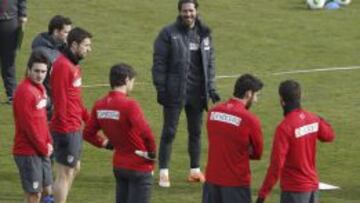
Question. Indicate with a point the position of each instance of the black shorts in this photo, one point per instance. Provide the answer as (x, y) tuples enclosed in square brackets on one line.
[(133, 186), (35, 172), (67, 148), (300, 197), (224, 194)]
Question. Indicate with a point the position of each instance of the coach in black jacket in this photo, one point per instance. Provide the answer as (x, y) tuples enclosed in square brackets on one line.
[(183, 73), (12, 16)]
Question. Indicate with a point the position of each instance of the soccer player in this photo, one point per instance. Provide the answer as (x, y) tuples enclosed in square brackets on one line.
[(183, 73), (235, 137), (293, 156), (124, 125), (32, 143), (69, 111)]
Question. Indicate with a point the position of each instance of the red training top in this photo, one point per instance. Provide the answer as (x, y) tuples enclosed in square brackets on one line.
[(31, 129), (235, 137), (123, 122), (65, 82), (294, 153)]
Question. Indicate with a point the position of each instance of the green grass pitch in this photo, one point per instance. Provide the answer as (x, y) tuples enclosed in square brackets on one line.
[(260, 37)]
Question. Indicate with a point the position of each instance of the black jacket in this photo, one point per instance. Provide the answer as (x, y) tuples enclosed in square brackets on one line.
[(12, 9), (171, 61)]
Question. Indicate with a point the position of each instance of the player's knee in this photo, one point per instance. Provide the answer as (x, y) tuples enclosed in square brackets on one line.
[(77, 168), (33, 197)]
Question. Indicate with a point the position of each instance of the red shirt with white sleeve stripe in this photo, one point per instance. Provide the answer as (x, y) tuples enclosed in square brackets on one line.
[(123, 123), (32, 134), (235, 137), (293, 157)]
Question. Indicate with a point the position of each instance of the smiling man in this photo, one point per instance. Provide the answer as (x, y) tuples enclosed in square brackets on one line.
[(183, 73), (32, 143)]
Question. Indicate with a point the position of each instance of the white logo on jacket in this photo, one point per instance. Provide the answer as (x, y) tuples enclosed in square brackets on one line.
[(108, 114), (41, 104), (306, 130), (206, 43), (225, 118), (35, 184), (77, 82)]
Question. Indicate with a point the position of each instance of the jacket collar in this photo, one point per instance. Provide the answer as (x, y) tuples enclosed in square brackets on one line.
[(72, 57)]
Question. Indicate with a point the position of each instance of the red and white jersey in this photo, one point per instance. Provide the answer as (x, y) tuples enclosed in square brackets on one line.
[(293, 157), (235, 137), (32, 134), (65, 82), (123, 123)]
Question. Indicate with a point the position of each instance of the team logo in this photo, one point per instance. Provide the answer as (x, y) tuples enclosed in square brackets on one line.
[(225, 118), (206, 42), (77, 82), (41, 104), (306, 130), (70, 159), (35, 185), (194, 46), (108, 114)]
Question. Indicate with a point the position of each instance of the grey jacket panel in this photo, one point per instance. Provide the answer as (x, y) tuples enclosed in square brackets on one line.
[(12, 9), (171, 61), (49, 46)]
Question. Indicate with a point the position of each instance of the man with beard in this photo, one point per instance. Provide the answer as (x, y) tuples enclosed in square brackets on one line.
[(294, 149), (235, 137), (69, 111), (183, 73)]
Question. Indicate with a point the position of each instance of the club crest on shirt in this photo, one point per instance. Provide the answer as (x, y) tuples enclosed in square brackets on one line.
[(108, 114), (77, 82), (70, 159), (41, 104), (225, 118), (35, 184), (306, 130)]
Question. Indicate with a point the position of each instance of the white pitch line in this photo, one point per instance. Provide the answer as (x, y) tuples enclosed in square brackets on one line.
[(277, 73), (317, 70)]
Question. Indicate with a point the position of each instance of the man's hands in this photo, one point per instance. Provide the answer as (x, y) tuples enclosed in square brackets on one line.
[(50, 150), (107, 145), (214, 96), (161, 98), (146, 155), (260, 200)]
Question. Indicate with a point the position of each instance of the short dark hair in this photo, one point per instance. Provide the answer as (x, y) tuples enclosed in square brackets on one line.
[(77, 35), (37, 56), (57, 23), (290, 91), (181, 2), (119, 73), (245, 83)]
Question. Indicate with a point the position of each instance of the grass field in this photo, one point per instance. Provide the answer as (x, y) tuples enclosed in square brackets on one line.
[(261, 37)]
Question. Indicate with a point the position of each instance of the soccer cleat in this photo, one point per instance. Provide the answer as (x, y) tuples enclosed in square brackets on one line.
[(196, 177), (164, 180)]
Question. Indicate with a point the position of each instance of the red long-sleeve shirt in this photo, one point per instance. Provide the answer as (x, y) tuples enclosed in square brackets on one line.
[(65, 82), (31, 129), (294, 153), (235, 137), (123, 123)]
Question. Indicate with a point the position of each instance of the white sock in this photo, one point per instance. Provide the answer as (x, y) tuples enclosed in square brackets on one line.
[(164, 172), (194, 170)]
